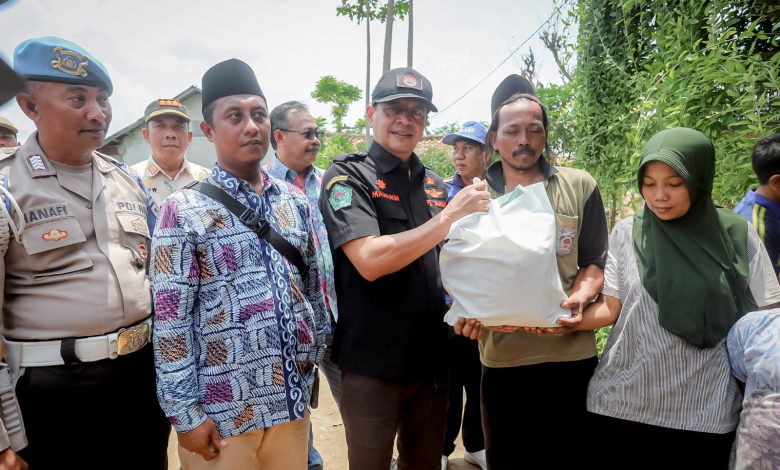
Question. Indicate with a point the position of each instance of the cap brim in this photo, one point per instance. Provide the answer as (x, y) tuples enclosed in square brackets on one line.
[(450, 139), (10, 128), (408, 95), (167, 112)]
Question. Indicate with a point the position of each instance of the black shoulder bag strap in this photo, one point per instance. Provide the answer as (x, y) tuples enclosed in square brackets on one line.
[(256, 223)]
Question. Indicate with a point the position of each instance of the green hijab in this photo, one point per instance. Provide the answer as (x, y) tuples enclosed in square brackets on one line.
[(696, 266)]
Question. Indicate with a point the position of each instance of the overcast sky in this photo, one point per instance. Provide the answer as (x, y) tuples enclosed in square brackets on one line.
[(156, 49)]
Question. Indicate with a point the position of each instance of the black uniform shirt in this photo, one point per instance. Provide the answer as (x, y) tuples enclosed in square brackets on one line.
[(391, 328)]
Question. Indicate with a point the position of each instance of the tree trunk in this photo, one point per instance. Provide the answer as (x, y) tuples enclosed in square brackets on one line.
[(368, 71), (410, 38), (388, 34)]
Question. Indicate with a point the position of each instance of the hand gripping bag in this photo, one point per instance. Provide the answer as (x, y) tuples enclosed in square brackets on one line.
[(500, 267)]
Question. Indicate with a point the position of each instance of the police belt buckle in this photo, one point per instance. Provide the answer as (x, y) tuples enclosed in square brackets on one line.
[(129, 340)]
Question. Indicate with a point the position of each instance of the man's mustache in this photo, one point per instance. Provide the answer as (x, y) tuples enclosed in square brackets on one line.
[(523, 149)]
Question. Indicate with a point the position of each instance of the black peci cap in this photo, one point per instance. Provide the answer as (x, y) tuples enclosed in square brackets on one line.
[(228, 78), (511, 85)]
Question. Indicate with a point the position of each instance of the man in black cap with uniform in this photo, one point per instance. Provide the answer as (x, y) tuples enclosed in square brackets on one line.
[(391, 339), (240, 316), (535, 380)]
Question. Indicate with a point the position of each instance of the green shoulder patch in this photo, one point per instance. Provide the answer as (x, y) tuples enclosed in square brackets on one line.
[(340, 196)]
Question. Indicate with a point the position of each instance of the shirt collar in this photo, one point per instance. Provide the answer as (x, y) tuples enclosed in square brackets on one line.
[(277, 169), (764, 201), (39, 165), (153, 169), (232, 184), (387, 162), (457, 181), (495, 174)]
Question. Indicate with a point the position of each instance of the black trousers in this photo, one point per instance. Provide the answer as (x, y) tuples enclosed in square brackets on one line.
[(373, 410), (535, 416), (465, 373), (638, 445), (96, 415)]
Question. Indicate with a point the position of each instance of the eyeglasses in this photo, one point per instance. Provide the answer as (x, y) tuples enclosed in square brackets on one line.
[(308, 134), (417, 115)]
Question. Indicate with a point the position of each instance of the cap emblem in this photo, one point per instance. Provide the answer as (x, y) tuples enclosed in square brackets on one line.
[(175, 103), (69, 62), (409, 80)]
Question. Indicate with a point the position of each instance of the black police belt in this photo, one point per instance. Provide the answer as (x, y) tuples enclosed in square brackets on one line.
[(76, 350)]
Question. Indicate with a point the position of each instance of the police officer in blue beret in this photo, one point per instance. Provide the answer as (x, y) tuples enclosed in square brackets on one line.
[(76, 304)]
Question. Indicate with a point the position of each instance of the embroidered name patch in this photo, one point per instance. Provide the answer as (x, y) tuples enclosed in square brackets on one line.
[(335, 180), (46, 212), (340, 196), (382, 194), (130, 206)]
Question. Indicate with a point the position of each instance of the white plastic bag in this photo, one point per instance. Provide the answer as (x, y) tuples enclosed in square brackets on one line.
[(500, 267)]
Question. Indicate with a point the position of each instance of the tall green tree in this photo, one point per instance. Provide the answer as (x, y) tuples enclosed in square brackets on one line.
[(367, 10), (340, 94)]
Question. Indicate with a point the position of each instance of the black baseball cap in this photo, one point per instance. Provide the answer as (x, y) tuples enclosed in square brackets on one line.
[(403, 82)]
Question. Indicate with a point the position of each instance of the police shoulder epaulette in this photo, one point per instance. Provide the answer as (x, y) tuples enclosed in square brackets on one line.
[(109, 159), (350, 156)]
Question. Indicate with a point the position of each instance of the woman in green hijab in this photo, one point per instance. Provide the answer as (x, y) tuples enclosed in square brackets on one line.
[(679, 274)]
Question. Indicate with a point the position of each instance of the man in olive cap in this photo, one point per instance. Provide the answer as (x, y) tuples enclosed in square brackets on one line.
[(391, 339), (8, 133), (240, 320), (167, 131), (76, 303)]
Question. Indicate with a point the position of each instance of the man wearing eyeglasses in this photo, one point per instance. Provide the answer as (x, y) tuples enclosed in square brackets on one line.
[(296, 139), (390, 341)]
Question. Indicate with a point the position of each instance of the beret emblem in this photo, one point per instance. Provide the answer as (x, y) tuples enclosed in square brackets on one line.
[(69, 62)]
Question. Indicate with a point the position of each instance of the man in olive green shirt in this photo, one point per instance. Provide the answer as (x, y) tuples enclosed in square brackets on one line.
[(534, 380)]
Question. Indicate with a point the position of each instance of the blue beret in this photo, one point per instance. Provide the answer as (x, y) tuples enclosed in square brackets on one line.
[(51, 59)]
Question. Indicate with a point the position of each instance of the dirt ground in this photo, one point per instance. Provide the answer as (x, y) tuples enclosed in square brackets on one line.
[(329, 437)]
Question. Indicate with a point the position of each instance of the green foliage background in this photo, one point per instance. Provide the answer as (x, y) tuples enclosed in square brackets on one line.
[(644, 66), (432, 156)]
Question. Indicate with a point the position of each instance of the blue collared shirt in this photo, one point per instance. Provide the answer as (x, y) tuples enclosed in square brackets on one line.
[(237, 331), (764, 215), (310, 185)]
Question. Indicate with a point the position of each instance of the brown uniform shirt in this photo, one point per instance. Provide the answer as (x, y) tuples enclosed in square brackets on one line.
[(79, 269)]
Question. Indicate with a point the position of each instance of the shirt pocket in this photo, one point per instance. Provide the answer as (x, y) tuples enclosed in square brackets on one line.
[(135, 235), (55, 246), (391, 216), (566, 234)]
